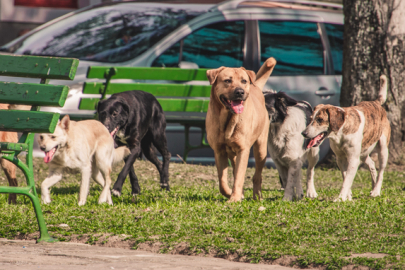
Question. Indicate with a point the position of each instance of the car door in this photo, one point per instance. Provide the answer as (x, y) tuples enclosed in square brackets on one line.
[(304, 67)]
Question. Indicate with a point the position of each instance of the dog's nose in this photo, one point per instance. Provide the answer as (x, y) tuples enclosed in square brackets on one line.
[(239, 92), (304, 134), (42, 148)]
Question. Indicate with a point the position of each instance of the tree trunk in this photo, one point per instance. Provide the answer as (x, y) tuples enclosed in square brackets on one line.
[(374, 44)]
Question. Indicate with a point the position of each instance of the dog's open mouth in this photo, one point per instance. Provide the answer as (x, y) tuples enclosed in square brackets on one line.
[(49, 155), (235, 106), (114, 132), (317, 140)]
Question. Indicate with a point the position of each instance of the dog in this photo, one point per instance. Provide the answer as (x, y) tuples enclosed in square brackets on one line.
[(354, 132), (286, 145), (136, 119), (8, 167), (237, 120), (85, 147)]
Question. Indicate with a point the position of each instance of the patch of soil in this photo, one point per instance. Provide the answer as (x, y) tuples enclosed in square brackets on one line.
[(367, 255), (355, 267), (150, 246), (104, 240), (125, 242)]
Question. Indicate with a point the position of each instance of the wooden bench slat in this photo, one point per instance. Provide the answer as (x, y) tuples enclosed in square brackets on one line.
[(173, 90), (168, 104), (183, 105), (29, 121), (38, 67), (150, 73), (33, 94)]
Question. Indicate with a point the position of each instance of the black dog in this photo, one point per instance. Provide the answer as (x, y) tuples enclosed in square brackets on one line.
[(135, 118)]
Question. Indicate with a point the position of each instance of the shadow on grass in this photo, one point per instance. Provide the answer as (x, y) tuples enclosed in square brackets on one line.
[(70, 190)]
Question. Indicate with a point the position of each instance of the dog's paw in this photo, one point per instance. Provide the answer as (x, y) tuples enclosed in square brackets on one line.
[(82, 202), (312, 194), (116, 193), (287, 198), (375, 193), (342, 199), (165, 186), (233, 199), (298, 197), (46, 200)]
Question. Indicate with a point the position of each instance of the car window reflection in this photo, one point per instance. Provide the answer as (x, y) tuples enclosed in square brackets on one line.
[(107, 34), (297, 47), (215, 45)]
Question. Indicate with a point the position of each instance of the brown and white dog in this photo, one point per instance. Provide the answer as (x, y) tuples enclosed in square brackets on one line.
[(354, 132), (236, 120)]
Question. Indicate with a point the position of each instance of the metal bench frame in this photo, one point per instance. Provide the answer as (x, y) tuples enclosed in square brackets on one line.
[(34, 121)]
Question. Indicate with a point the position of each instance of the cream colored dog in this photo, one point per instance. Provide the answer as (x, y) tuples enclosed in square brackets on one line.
[(85, 147), (236, 120)]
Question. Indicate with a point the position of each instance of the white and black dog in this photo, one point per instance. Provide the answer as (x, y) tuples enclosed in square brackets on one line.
[(286, 145)]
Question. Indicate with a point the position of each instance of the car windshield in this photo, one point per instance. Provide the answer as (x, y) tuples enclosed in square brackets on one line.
[(113, 33)]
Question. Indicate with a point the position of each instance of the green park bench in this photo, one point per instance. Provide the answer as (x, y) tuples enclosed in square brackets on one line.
[(183, 103), (33, 121)]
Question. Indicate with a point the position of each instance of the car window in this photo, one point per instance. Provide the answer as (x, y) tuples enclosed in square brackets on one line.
[(335, 34), (215, 45), (112, 33), (297, 47)]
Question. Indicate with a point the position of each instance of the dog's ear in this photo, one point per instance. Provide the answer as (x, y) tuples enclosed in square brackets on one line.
[(251, 74), (212, 74), (319, 106), (65, 122), (284, 101), (336, 118)]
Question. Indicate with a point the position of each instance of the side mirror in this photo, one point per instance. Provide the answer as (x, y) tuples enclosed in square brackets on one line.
[(188, 65)]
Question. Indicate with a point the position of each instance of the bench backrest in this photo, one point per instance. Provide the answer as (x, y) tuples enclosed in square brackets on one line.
[(36, 95), (167, 84)]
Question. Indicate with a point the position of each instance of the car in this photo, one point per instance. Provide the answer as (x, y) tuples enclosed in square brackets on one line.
[(305, 37)]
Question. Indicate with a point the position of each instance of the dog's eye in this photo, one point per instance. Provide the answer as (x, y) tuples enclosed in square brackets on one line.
[(228, 81), (319, 120), (41, 137), (244, 81), (53, 137)]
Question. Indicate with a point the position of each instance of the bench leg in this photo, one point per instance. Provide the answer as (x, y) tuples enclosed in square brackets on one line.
[(43, 231), (187, 146)]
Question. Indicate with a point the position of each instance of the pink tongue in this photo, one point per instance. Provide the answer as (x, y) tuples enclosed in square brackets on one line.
[(237, 106), (48, 156), (315, 140)]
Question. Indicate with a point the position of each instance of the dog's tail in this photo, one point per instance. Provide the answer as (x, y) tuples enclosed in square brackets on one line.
[(120, 153), (264, 72), (382, 95)]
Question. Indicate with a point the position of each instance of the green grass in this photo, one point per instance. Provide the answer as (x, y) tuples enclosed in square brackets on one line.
[(197, 218)]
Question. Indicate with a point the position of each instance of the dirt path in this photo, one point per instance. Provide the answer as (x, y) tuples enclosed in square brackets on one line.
[(17, 254)]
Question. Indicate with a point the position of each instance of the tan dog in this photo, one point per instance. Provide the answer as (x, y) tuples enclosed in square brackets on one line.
[(353, 133), (236, 120), (6, 136)]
